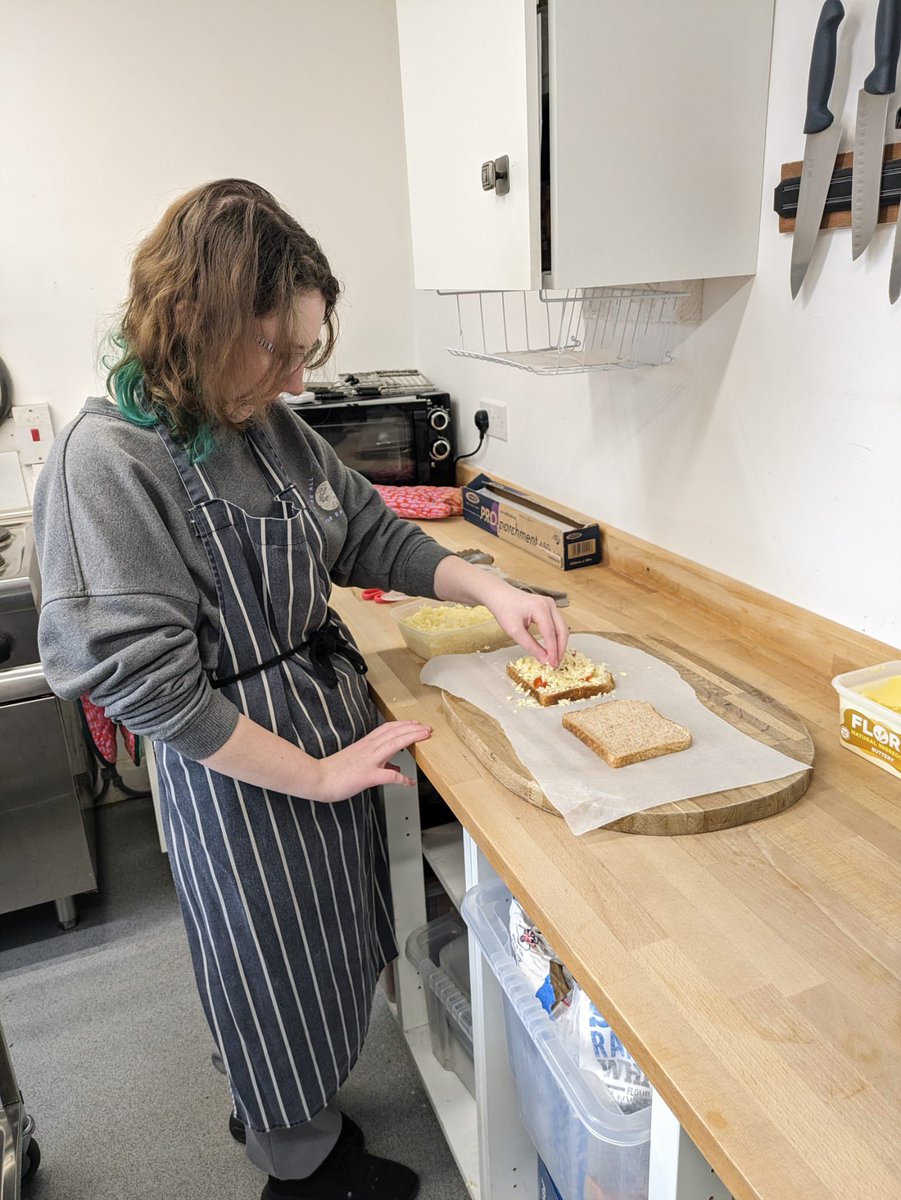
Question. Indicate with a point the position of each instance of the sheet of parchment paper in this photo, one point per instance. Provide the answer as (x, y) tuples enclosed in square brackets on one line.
[(587, 792)]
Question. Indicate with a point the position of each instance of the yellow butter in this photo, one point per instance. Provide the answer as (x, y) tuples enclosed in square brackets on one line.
[(887, 693)]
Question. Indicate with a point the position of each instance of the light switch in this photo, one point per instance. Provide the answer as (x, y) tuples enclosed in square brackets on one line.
[(34, 432)]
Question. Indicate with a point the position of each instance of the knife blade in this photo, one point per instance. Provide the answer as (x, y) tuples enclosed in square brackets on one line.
[(869, 135), (894, 279), (823, 133)]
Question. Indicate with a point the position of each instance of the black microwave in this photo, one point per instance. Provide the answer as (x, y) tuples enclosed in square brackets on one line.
[(399, 440)]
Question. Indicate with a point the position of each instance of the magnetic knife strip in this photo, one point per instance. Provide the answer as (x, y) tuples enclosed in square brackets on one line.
[(838, 198)]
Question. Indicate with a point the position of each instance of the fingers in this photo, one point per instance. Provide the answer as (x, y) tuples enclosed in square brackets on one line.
[(398, 734), (525, 639), (562, 631), (393, 776), (385, 741), (549, 633), (551, 628)]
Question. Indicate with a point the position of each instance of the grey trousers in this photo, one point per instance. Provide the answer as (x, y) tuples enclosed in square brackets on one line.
[(292, 1153)]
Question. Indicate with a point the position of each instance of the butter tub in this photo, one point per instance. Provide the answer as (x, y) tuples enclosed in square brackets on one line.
[(869, 728)]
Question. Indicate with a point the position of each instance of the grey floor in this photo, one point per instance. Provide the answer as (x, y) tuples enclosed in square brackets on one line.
[(112, 1050)]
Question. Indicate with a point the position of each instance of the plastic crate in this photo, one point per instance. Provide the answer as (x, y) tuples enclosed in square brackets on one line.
[(589, 1146), (440, 953)]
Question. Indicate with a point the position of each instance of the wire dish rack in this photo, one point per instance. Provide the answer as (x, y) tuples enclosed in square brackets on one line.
[(585, 329)]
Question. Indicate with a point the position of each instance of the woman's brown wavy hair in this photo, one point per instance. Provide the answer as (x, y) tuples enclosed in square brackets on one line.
[(223, 256)]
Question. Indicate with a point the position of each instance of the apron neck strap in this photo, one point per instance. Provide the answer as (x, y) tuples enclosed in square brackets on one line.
[(273, 469), (195, 479), (192, 475)]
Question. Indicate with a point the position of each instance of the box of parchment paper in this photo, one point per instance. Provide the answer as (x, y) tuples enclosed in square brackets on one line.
[(514, 517)]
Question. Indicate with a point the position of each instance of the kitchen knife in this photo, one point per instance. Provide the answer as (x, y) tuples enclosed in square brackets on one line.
[(823, 133), (894, 279), (561, 599), (869, 136)]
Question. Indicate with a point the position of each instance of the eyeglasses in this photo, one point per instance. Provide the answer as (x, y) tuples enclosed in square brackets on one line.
[(296, 361)]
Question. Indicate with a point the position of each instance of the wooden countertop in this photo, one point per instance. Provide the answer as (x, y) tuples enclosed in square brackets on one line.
[(754, 973)]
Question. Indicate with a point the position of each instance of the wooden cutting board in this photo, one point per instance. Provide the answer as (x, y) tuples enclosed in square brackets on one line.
[(742, 705)]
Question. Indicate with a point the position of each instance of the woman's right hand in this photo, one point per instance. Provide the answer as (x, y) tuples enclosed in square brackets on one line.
[(367, 763)]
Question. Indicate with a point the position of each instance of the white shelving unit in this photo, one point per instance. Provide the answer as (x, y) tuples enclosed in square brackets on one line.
[(454, 1107), (442, 848)]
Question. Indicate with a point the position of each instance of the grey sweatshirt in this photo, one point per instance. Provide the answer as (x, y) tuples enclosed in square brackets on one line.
[(129, 610)]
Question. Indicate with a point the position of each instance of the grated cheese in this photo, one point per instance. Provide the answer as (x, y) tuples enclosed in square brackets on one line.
[(452, 616), (575, 670)]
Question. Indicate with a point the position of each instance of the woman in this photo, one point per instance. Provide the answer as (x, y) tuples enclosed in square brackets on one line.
[(190, 528)]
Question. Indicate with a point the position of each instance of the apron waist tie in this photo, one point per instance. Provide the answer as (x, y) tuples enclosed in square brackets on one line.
[(323, 644)]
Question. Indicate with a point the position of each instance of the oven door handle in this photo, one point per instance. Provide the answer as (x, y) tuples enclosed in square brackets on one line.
[(23, 683)]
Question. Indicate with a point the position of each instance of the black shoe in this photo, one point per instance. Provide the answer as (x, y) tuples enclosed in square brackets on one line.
[(351, 1134), (348, 1173)]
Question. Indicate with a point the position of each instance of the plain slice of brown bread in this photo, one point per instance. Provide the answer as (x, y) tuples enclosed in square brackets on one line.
[(626, 731)]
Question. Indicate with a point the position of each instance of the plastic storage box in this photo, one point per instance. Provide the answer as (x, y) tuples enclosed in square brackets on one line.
[(440, 953), (547, 1189), (869, 728), (466, 639), (590, 1148)]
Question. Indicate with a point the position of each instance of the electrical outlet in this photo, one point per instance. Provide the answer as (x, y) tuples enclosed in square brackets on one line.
[(497, 419)]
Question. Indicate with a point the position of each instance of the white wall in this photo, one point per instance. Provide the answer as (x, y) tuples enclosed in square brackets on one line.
[(111, 110), (770, 451)]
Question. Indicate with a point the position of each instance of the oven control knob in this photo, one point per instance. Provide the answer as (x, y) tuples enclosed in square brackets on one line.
[(440, 449), (439, 418)]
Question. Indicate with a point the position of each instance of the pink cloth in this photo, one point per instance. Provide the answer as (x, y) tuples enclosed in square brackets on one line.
[(103, 731), (422, 502)]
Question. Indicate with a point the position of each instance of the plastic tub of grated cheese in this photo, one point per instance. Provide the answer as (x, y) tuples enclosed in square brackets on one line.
[(433, 627), (870, 706)]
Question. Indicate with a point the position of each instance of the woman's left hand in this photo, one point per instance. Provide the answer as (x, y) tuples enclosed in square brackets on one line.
[(515, 611)]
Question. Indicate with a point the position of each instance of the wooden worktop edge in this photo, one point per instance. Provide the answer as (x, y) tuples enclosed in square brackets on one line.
[(818, 642)]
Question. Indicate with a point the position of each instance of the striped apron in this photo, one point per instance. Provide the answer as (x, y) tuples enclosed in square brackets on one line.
[(286, 901)]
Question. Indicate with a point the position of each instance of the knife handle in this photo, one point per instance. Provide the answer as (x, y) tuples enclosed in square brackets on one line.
[(822, 67), (881, 80)]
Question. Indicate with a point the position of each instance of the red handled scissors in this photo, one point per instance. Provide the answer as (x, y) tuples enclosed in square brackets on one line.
[(380, 596)]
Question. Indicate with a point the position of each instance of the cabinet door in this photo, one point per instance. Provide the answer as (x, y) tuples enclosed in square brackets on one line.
[(658, 119), (469, 71)]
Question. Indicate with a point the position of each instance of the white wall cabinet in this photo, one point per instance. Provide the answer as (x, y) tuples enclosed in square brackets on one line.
[(634, 133)]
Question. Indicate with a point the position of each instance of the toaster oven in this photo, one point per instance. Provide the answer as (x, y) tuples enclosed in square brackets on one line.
[(398, 440)]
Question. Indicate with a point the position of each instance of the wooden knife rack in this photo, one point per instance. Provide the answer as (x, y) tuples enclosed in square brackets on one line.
[(837, 210)]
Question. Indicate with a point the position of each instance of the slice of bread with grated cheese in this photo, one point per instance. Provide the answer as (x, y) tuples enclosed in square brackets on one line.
[(626, 731), (576, 678)]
